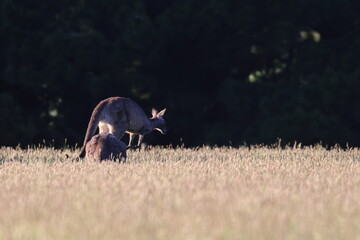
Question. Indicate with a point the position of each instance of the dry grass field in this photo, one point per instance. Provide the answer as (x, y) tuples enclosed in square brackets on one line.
[(203, 193)]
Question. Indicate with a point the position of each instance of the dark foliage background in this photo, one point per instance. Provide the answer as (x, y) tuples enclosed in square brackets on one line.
[(228, 71)]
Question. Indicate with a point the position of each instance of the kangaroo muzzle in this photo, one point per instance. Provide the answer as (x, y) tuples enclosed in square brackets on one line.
[(162, 131)]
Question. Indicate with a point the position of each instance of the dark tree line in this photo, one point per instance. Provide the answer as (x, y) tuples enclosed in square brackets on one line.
[(228, 71)]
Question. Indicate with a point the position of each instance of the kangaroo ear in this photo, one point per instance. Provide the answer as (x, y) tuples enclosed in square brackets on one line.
[(154, 112), (161, 113)]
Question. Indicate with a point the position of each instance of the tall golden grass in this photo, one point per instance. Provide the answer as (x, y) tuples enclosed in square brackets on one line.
[(202, 193)]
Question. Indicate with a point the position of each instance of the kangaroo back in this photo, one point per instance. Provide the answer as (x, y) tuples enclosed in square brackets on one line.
[(92, 125), (105, 146)]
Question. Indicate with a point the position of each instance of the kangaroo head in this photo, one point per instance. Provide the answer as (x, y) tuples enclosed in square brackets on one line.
[(158, 118)]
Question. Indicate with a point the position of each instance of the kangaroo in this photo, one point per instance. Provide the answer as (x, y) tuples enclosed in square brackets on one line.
[(105, 146), (117, 115)]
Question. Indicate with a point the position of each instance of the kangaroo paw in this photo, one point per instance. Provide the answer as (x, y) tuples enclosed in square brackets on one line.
[(132, 147)]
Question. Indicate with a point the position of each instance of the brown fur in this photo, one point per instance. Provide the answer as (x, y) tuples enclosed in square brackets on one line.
[(105, 146), (117, 115)]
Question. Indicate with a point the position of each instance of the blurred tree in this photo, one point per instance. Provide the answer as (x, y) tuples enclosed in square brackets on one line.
[(228, 71)]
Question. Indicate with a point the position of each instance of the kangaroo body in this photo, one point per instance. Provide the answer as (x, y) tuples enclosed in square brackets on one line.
[(117, 115), (105, 146)]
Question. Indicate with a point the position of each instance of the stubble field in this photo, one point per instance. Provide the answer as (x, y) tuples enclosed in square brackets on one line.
[(203, 193)]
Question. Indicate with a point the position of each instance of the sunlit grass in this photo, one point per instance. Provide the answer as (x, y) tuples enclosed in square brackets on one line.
[(204, 193)]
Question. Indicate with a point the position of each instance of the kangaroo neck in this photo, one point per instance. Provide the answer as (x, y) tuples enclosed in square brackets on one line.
[(147, 127)]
